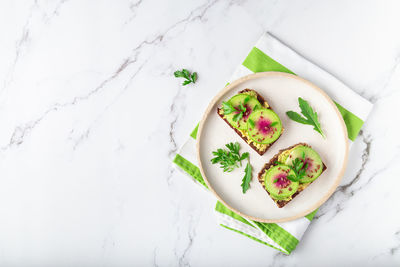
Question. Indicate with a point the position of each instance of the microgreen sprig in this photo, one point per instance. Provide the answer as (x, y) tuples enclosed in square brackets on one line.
[(228, 108), (299, 166)]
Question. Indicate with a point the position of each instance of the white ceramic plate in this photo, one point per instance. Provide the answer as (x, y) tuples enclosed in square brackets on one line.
[(281, 91)]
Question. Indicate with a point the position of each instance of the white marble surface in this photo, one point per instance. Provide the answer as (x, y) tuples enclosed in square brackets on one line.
[(86, 180)]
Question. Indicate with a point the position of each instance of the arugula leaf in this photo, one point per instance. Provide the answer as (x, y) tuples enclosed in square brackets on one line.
[(310, 116), (227, 108), (229, 159), (296, 117), (247, 178), (184, 73)]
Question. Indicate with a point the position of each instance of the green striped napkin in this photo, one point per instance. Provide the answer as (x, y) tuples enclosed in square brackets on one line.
[(269, 54)]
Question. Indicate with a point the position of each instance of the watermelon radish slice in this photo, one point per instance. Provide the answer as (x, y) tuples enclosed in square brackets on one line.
[(264, 126), (277, 183)]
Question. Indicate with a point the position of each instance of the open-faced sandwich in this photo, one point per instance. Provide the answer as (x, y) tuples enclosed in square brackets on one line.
[(289, 172), (252, 119)]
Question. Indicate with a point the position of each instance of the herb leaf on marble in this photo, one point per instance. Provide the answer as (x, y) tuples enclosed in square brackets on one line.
[(184, 73)]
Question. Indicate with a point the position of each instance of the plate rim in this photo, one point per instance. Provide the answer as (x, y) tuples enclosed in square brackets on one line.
[(254, 76)]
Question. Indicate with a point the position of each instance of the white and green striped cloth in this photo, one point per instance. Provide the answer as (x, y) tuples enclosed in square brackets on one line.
[(269, 54)]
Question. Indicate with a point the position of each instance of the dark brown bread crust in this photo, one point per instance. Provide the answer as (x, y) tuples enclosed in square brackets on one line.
[(261, 100), (282, 203)]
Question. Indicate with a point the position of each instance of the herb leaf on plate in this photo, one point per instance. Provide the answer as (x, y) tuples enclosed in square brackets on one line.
[(247, 178), (184, 73), (229, 159), (310, 116)]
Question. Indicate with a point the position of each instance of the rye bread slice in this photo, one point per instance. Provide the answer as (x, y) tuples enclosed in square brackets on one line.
[(282, 203), (251, 144)]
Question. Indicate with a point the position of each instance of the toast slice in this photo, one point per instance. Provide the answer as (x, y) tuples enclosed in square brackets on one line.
[(259, 148), (273, 162)]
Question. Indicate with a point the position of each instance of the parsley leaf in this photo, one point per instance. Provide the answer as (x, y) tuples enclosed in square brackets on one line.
[(229, 159), (247, 178), (227, 108), (184, 73), (310, 116), (239, 110), (238, 116)]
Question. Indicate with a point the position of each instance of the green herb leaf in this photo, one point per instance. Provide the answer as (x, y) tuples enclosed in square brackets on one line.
[(178, 73), (292, 178), (184, 73), (242, 108), (274, 123), (310, 116), (194, 77), (244, 156), (247, 178), (252, 123), (227, 108), (296, 117), (238, 116), (229, 159), (256, 107), (186, 82), (299, 167), (276, 180)]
